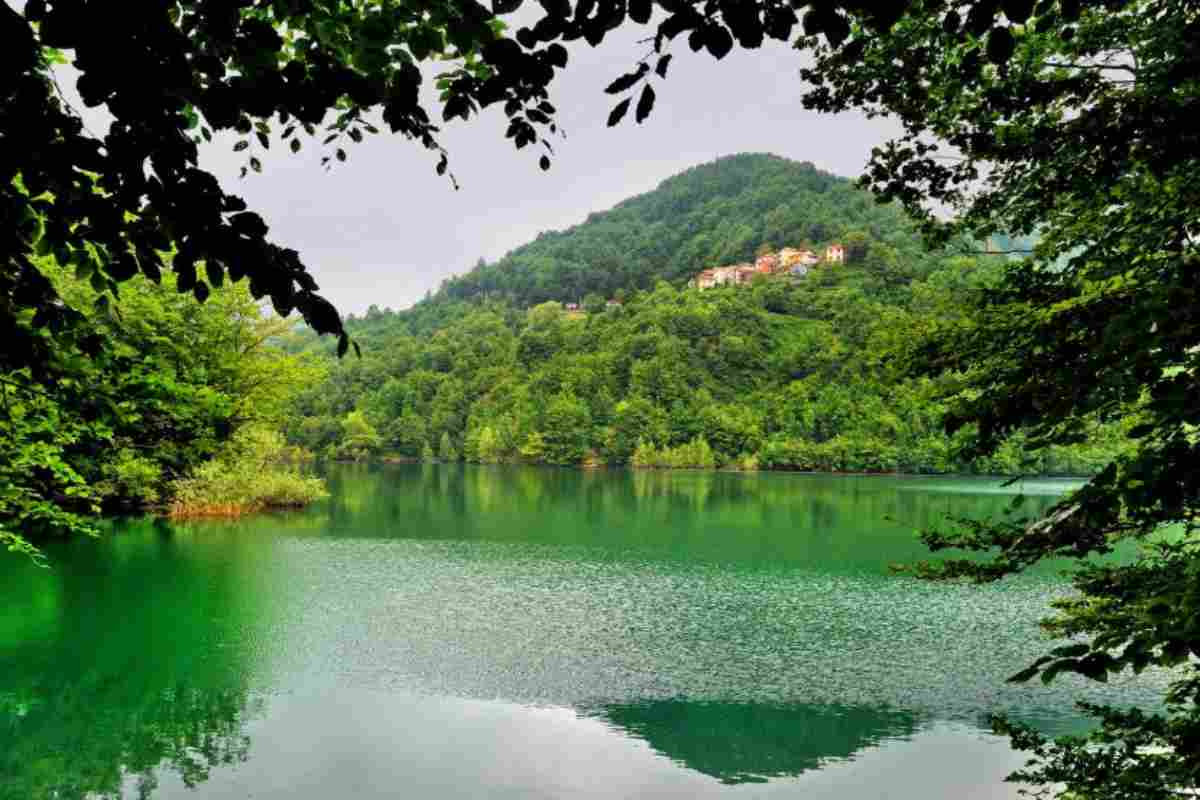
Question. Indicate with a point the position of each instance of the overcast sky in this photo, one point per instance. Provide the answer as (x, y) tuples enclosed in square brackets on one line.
[(383, 228)]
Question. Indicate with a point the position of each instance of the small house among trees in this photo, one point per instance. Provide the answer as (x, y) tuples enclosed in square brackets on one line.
[(788, 261)]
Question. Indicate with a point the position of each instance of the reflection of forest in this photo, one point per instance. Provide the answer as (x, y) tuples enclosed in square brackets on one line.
[(743, 742), (122, 659), (839, 522), (88, 740), (135, 655)]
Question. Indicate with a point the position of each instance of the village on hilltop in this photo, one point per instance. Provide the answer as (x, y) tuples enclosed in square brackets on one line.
[(788, 261)]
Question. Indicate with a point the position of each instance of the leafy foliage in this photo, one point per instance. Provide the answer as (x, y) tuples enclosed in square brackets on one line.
[(1061, 125), (120, 425), (249, 474)]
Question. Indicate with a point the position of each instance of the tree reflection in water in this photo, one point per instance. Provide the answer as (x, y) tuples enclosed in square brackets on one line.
[(124, 657), (752, 743)]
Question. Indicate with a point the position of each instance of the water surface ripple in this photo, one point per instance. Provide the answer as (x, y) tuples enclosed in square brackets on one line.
[(525, 632)]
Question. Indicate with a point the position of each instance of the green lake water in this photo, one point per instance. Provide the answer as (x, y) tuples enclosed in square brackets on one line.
[(447, 632)]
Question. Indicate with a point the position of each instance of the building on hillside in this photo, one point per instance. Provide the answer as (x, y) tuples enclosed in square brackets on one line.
[(734, 275), (570, 306), (790, 257), (798, 270), (744, 273), (767, 263), (835, 253)]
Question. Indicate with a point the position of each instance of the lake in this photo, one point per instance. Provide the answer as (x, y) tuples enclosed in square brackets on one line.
[(447, 631)]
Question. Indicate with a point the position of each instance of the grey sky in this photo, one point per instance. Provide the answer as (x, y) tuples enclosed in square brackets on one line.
[(383, 228)]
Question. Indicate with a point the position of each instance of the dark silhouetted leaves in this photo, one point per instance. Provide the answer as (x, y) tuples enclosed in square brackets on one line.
[(719, 41), (618, 112), (557, 55), (626, 82), (1000, 45), (249, 224), (645, 103)]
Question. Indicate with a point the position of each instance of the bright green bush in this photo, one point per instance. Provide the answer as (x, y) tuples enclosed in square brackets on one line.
[(248, 475), (130, 478), (695, 454)]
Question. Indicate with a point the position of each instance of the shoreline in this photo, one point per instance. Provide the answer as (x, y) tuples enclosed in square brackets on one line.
[(595, 467)]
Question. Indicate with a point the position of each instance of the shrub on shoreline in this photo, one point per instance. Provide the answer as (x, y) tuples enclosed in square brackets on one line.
[(253, 474)]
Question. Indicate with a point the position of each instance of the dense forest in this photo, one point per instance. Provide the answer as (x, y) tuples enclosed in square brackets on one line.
[(179, 411), (782, 373)]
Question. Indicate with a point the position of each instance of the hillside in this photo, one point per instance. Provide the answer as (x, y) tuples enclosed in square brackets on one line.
[(717, 213), (712, 214), (780, 372)]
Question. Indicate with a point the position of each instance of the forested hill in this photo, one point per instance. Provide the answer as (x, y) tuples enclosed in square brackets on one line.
[(785, 371), (715, 213)]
